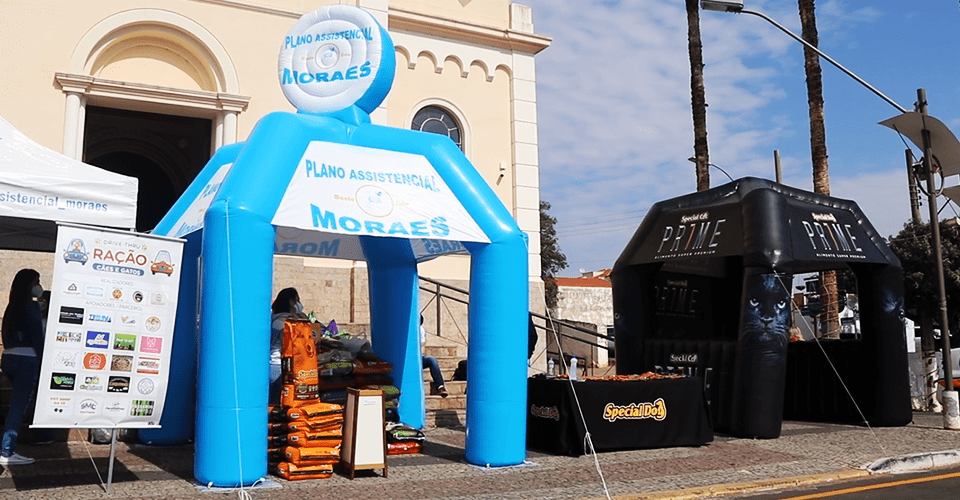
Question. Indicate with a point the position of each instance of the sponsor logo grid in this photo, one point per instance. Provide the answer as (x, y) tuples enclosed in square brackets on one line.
[(109, 331)]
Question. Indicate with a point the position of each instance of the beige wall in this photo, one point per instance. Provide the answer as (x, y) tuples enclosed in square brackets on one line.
[(494, 13), (210, 58)]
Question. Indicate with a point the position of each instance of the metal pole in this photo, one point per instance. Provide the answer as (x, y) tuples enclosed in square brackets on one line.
[(776, 165), (849, 73), (439, 298), (912, 182), (113, 453), (937, 252)]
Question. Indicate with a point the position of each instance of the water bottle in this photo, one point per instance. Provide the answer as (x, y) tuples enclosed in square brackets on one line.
[(550, 368), (573, 368)]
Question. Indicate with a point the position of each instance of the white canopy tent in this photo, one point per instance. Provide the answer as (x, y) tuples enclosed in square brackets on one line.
[(39, 187)]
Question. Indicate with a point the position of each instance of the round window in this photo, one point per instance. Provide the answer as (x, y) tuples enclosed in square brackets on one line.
[(437, 120)]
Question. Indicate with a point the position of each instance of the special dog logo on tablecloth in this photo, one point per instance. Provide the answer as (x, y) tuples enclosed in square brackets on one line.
[(545, 412), (656, 410)]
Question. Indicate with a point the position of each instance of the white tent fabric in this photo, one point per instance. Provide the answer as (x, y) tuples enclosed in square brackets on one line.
[(37, 183), (343, 188)]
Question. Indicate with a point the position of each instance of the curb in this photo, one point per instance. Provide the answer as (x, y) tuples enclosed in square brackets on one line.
[(917, 461), (904, 463), (748, 487)]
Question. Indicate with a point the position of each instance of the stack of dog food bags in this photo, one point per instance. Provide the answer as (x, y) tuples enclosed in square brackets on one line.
[(335, 376), (373, 373), (403, 440), (345, 361), (305, 433), (308, 443)]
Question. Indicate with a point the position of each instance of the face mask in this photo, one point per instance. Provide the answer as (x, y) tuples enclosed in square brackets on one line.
[(298, 307), (37, 291)]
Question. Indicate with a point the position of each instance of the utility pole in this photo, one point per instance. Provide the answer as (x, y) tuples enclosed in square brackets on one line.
[(776, 165), (951, 418), (928, 348)]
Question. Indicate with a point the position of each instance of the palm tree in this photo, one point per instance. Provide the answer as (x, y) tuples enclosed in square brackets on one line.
[(829, 315), (697, 99)]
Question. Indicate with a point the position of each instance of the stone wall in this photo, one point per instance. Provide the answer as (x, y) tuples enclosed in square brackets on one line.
[(333, 291), (590, 305), (12, 261)]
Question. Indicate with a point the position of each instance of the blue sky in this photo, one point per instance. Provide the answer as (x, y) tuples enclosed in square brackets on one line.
[(615, 127)]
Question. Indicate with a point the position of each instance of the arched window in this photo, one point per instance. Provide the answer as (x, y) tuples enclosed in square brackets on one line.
[(437, 120)]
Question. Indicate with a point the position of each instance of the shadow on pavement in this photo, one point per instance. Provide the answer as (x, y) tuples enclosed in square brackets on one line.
[(171, 460), (64, 473)]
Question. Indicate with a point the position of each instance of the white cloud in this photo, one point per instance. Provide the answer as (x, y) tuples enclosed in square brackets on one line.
[(615, 124)]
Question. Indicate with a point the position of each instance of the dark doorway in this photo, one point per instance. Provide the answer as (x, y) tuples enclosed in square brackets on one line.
[(164, 152)]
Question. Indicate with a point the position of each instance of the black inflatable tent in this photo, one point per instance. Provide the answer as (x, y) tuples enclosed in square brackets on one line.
[(704, 285)]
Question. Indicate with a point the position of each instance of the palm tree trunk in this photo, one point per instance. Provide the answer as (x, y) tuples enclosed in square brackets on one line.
[(829, 315), (697, 100)]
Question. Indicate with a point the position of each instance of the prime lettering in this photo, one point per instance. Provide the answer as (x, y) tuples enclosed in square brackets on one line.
[(690, 237), (831, 236)]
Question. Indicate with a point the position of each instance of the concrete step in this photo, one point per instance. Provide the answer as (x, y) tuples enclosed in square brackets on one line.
[(448, 366), (454, 388), (448, 418), (451, 402), (449, 351)]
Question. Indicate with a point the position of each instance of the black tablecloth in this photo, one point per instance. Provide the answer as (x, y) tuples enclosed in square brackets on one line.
[(619, 414)]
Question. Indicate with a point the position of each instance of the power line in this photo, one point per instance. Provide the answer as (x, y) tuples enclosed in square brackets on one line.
[(642, 212), (598, 230), (572, 226)]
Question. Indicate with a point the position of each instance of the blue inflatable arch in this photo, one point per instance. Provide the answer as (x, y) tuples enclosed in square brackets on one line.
[(244, 184)]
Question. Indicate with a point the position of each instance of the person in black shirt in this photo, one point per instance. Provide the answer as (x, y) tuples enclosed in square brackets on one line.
[(22, 334)]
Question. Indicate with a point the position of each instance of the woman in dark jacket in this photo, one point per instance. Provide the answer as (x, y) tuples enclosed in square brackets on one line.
[(22, 348)]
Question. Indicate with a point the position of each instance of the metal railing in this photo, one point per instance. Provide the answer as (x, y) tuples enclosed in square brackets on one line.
[(442, 291), (556, 327)]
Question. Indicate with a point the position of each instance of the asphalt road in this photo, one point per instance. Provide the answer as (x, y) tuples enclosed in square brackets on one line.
[(934, 484)]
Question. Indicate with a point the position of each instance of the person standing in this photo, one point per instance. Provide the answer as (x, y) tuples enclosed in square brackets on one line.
[(22, 334), (286, 304)]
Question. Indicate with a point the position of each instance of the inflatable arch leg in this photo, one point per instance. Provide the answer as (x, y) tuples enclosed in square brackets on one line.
[(633, 314), (497, 367), (176, 424), (395, 321), (231, 446), (887, 403), (761, 364)]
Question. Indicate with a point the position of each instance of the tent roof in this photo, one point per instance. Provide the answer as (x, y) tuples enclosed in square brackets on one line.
[(39, 186), (335, 187), (768, 224)]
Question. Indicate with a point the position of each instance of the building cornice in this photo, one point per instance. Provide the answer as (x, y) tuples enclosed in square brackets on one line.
[(253, 7), (200, 101), (426, 24)]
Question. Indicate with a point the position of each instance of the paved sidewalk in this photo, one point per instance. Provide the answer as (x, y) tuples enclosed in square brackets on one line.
[(806, 452)]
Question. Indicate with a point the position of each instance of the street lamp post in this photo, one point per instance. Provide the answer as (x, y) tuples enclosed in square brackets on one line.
[(694, 160), (916, 125)]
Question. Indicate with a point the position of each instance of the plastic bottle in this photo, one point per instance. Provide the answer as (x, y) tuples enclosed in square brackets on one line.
[(573, 368), (550, 368)]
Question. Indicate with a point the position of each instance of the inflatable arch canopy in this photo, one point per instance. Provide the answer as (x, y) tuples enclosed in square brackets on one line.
[(704, 287), (231, 218), (326, 182)]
